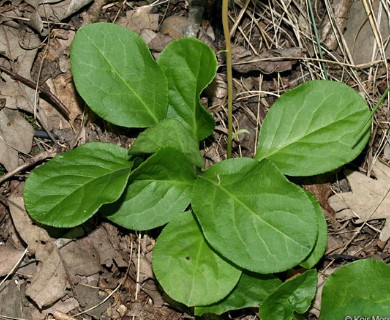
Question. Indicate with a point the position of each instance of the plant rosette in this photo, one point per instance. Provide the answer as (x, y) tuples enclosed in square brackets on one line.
[(230, 228)]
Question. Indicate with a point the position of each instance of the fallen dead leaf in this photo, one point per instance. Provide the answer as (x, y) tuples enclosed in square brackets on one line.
[(16, 134), (11, 305), (80, 258), (368, 200), (174, 26), (340, 10), (50, 282), (359, 33), (91, 298), (10, 257), (52, 11), (106, 251), (21, 50), (140, 19), (245, 61)]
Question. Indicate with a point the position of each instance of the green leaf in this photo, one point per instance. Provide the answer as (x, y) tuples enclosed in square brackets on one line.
[(71, 187), (117, 77), (189, 271), (322, 239), (294, 295), (159, 189), (252, 215), (251, 290), (168, 133), (313, 128), (190, 65), (360, 288)]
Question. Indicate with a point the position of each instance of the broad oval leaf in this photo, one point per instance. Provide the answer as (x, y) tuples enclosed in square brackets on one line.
[(294, 295), (168, 133), (322, 239), (190, 65), (250, 292), (70, 188), (159, 189), (359, 289), (314, 128), (189, 271), (117, 77), (252, 215)]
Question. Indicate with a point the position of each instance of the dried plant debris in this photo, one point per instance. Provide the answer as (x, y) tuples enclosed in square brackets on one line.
[(335, 23), (16, 136), (50, 281), (270, 61), (368, 200), (364, 33), (39, 13), (58, 265)]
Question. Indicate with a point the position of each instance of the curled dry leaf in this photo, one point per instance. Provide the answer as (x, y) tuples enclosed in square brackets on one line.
[(52, 11), (368, 200), (267, 62)]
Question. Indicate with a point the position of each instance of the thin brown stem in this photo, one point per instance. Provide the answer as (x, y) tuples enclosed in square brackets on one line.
[(225, 23), (61, 108)]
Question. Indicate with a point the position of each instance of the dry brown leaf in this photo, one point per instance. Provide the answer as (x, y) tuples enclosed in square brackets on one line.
[(368, 200), (51, 282), (90, 296), (60, 308), (340, 10), (53, 11), (80, 258), (17, 95), (22, 51), (140, 19), (174, 26), (103, 246), (16, 134), (62, 316), (12, 302), (9, 258), (245, 61), (359, 36)]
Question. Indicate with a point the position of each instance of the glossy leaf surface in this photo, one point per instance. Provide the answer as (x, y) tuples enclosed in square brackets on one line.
[(117, 77), (252, 215), (70, 188), (158, 189), (168, 133), (250, 292), (293, 296), (187, 268), (359, 289), (189, 65), (322, 239), (314, 128)]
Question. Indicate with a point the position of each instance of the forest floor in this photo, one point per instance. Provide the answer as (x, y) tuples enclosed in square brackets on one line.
[(105, 272)]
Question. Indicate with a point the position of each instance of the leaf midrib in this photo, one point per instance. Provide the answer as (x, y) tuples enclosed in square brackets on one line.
[(250, 211), (291, 142), (140, 99), (84, 186)]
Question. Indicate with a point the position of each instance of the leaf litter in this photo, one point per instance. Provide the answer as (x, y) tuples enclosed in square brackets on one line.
[(100, 265), (369, 198)]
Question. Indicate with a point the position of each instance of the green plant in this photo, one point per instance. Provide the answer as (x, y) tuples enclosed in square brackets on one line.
[(231, 227)]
